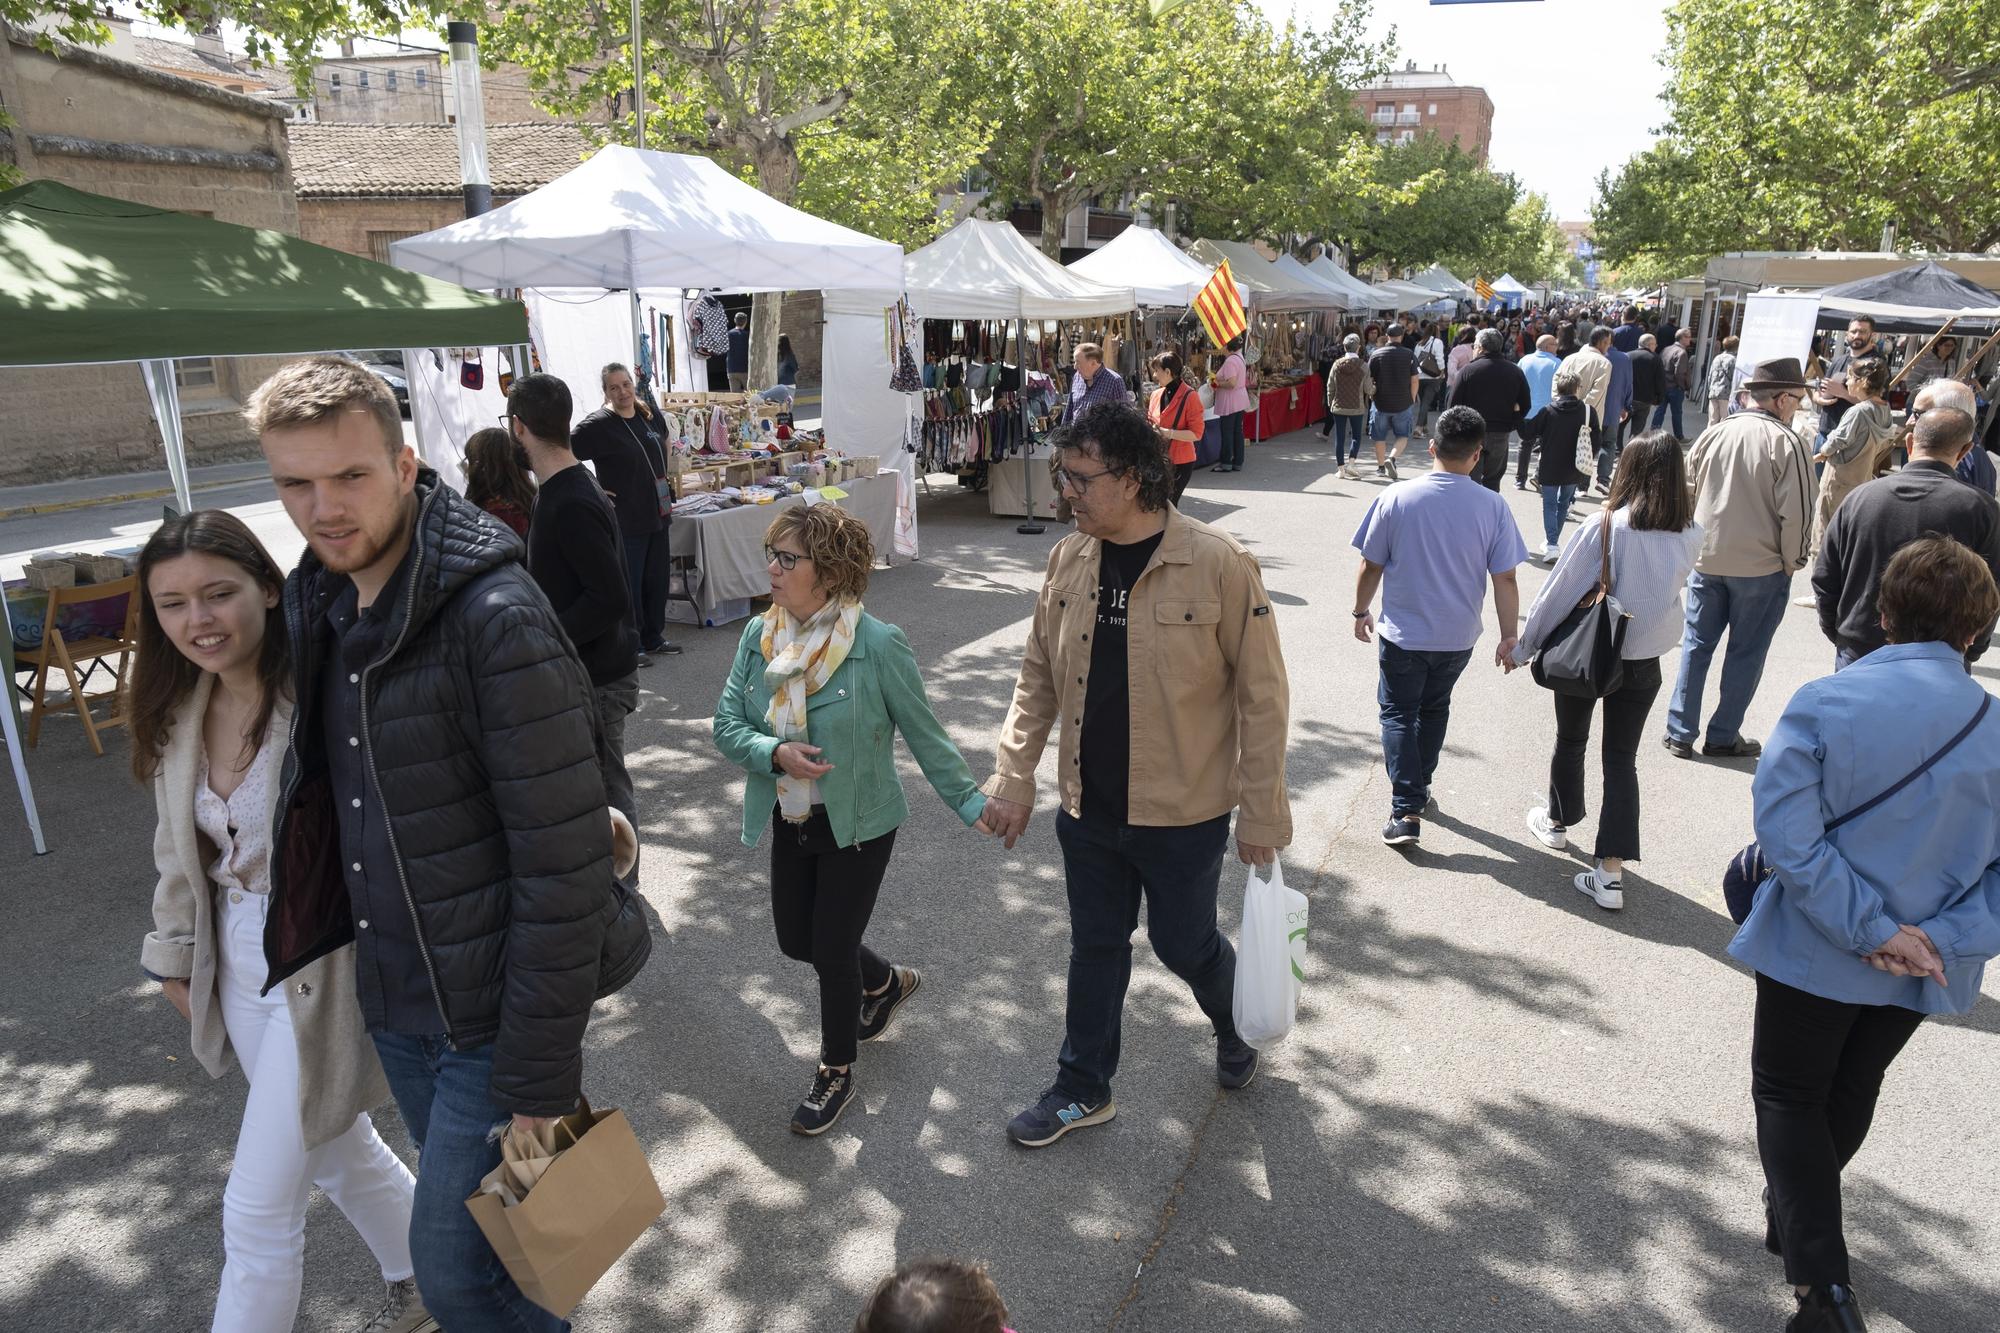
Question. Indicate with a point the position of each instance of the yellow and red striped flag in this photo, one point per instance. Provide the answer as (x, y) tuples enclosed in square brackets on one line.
[(1221, 307), (1482, 289)]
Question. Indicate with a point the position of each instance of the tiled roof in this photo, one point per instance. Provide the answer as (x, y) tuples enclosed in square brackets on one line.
[(331, 161), (185, 60)]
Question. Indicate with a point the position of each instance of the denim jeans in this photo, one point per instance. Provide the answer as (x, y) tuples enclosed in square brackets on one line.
[(1556, 501), (443, 1095), (1343, 428), (1749, 609), (1607, 455), (1232, 440), (1675, 398), (1415, 698), (1109, 868)]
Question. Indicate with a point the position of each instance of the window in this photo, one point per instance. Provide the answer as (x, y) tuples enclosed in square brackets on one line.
[(1434, 108), (1381, 136), (380, 241), (334, 87), (195, 372), (364, 80), (1406, 136), (423, 77), (390, 79)]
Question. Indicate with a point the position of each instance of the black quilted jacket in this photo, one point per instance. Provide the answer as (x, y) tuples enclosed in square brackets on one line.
[(481, 743)]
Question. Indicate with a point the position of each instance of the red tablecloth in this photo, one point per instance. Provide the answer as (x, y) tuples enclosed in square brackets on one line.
[(1281, 410)]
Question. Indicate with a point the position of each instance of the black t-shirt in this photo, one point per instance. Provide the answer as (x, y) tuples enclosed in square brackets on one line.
[(1105, 747), (627, 454), (1391, 368)]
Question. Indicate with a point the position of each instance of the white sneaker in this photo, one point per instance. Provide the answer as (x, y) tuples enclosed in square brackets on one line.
[(402, 1312), (1606, 893), (1549, 833), (1550, 553), (1348, 473)]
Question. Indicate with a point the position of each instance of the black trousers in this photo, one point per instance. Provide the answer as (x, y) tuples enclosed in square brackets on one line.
[(1816, 1068), (1182, 473), (1625, 711), (822, 895), (1492, 461), (1527, 456)]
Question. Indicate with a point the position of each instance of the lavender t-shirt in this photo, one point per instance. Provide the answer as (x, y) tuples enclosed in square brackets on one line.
[(1438, 538)]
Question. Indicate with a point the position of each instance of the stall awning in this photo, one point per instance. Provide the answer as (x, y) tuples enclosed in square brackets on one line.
[(1915, 299), (1271, 288), (85, 278), (1159, 273), (987, 270)]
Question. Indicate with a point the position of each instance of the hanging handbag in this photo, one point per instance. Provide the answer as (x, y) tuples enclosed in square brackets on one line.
[(1585, 655), (1748, 871), (471, 374)]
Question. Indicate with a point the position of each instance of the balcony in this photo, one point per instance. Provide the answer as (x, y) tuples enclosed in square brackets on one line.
[(1384, 118), (1407, 118)]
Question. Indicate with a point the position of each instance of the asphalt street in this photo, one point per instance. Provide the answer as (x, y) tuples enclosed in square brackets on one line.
[(1504, 1109)]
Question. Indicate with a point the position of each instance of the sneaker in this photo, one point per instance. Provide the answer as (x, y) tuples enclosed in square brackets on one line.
[(1055, 1115), (1347, 471), (664, 649), (402, 1312), (877, 1010), (1392, 469), (1401, 832), (1606, 893), (1678, 749), (1520, 485), (1740, 748), (1550, 834), (1381, 470), (831, 1092), (1550, 553), (644, 660), (1235, 1063)]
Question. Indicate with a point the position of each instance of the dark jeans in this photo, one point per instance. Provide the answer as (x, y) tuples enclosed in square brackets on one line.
[(1816, 1068), (646, 568), (1183, 473), (1344, 428), (444, 1098), (1607, 455), (822, 895), (1492, 468), (1415, 698), (1749, 609), (616, 701), (1232, 440), (1625, 711), (1675, 397), (1429, 391), (1109, 869)]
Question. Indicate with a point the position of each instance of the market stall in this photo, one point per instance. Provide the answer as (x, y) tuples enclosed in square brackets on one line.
[(727, 545), (1160, 274), (1364, 296), (1291, 318), (1437, 278)]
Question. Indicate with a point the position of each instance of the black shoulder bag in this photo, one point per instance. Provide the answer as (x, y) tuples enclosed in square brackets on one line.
[(1748, 870), (1585, 654)]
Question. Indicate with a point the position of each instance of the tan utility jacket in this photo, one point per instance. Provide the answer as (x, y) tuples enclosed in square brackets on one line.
[(1210, 703), (1754, 496)]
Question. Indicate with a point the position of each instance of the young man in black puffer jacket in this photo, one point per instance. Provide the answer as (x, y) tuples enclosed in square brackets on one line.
[(441, 806)]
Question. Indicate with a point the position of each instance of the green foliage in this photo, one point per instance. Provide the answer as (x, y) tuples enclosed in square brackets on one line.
[(1430, 202)]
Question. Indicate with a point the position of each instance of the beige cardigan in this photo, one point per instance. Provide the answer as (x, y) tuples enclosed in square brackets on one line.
[(339, 1074)]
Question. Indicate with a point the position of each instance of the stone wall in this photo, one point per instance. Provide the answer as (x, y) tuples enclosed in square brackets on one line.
[(115, 128), (357, 225)]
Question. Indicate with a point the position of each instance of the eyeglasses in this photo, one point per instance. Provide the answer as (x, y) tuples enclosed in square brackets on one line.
[(785, 560), (1080, 481)]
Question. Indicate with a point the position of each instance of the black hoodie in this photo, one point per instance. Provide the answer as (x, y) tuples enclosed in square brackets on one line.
[(1556, 429)]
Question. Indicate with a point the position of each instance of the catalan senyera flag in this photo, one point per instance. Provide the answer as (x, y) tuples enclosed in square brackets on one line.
[(1221, 308), (1482, 289)]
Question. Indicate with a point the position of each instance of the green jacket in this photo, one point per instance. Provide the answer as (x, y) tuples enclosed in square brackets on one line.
[(853, 720)]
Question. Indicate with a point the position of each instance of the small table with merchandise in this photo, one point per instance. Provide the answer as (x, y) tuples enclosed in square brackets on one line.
[(727, 545)]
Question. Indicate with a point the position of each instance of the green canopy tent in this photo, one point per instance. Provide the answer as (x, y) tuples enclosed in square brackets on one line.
[(85, 279)]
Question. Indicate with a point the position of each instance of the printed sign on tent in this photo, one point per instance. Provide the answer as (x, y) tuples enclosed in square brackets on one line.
[(1775, 324)]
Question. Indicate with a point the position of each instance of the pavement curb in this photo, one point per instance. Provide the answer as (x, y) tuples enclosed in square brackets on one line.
[(123, 497)]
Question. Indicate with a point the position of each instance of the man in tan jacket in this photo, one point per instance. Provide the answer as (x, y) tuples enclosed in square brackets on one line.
[(1154, 642), (1754, 498), (1593, 370)]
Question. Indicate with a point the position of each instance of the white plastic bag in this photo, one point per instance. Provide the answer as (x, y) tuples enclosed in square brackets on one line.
[(1270, 960)]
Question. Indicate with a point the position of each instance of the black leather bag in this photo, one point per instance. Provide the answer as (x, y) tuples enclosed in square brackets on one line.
[(1585, 655)]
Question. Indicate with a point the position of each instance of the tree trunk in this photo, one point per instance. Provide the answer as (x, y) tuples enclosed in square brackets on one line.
[(1055, 213), (777, 163)]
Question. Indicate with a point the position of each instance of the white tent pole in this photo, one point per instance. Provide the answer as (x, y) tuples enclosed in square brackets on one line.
[(12, 725), (164, 396)]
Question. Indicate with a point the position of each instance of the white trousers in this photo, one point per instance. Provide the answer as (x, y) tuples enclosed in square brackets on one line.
[(264, 1205)]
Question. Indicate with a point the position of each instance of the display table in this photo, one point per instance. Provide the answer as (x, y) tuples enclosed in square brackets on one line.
[(1278, 411), (728, 547), (1007, 487)]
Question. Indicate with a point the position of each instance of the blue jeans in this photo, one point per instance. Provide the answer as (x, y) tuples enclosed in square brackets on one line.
[(1109, 868), (1675, 397), (1556, 501), (1343, 427), (1415, 698), (443, 1096), (1749, 609)]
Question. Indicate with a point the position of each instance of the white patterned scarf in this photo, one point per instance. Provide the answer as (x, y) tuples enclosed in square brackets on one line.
[(800, 659)]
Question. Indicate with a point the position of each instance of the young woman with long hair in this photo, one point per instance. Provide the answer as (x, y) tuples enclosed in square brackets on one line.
[(1649, 521), (496, 478), (210, 721)]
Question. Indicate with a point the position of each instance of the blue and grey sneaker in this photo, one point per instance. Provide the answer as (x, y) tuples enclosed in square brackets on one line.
[(831, 1092), (1402, 831), (1055, 1115), (1235, 1062), (877, 1010)]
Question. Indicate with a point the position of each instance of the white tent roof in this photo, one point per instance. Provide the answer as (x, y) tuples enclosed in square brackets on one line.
[(1438, 278), (987, 270), (1365, 296), (1505, 283), (629, 218), (1271, 288), (1292, 268), (1158, 272), (1409, 296)]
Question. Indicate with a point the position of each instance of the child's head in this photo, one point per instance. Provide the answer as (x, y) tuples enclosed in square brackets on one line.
[(934, 1296), (1870, 375)]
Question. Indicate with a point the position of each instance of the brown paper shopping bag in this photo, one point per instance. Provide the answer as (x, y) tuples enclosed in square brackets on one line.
[(583, 1193)]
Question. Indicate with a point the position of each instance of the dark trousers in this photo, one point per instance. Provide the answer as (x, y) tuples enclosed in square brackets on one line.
[(1347, 432), (646, 569), (1526, 460), (1492, 461), (1816, 1068), (822, 895), (1183, 473), (1625, 711), (616, 701), (1232, 440), (1109, 868), (1415, 697), (1675, 398)]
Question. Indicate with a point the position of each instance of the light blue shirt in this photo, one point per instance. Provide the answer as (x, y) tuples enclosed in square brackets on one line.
[(1927, 857), (1438, 538), (1540, 368)]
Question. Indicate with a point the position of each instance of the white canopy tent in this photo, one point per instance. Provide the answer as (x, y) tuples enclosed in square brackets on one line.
[(1366, 295), (1292, 268), (1272, 290), (1409, 296), (1160, 273), (977, 270), (1438, 278)]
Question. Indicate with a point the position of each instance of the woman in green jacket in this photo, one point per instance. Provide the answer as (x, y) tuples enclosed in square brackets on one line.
[(818, 692)]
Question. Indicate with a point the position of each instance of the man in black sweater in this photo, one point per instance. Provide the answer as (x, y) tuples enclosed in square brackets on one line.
[(1884, 515), (1649, 381), (575, 555), (1495, 388)]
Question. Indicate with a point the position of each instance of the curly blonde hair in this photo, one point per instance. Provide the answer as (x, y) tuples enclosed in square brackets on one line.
[(835, 541)]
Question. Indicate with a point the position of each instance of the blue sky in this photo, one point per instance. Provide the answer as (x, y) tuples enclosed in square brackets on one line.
[(1575, 83)]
